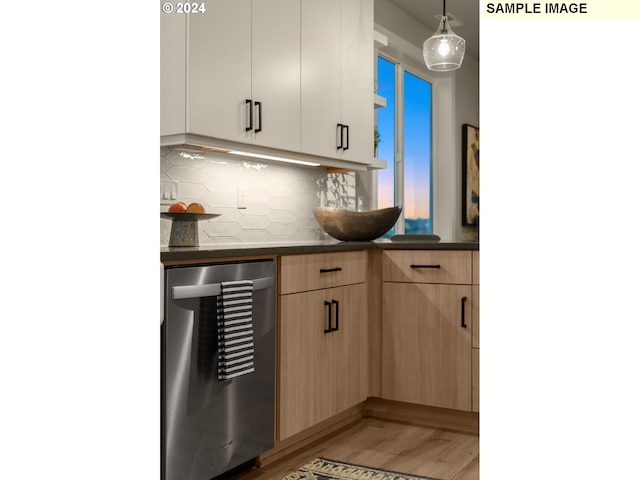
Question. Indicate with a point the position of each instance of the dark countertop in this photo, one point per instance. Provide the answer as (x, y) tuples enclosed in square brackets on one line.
[(190, 255)]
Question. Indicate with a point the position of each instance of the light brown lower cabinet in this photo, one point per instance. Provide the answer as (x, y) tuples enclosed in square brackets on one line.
[(426, 337), (475, 384), (475, 316), (426, 349), (323, 355), (427, 325)]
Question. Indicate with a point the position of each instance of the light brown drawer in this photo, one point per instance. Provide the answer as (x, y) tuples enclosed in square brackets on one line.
[(427, 266), (301, 273)]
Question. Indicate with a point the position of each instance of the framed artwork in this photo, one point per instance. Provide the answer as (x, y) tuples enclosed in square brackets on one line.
[(470, 175)]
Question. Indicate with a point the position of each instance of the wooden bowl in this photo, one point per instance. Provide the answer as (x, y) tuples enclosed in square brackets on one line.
[(351, 226)]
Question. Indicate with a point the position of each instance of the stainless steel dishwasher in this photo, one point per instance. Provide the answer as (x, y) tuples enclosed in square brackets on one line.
[(211, 426)]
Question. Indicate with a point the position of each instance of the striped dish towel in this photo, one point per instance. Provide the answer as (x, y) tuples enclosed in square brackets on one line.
[(235, 329)]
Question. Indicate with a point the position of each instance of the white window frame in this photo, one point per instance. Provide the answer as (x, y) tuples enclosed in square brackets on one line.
[(409, 58)]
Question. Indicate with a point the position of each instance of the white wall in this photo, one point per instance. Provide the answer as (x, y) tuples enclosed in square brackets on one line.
[(467, 110)]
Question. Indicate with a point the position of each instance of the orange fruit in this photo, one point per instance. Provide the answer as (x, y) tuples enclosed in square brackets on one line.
[(195, 207), (179, 207)]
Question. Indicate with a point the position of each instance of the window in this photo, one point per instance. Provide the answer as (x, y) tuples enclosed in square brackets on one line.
[(405, 127)]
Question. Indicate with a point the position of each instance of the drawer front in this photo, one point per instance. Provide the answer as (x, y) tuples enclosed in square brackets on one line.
[(301, 273), (427, 266)]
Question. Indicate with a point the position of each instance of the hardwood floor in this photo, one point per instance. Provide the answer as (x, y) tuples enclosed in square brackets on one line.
[(376, 443)]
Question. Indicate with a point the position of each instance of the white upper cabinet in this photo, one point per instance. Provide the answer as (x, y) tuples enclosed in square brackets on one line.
[(275, 72), (219, 69), (243, 72), (292, 75), (320, 76), (357, 80), (172, 78), (337, 79)]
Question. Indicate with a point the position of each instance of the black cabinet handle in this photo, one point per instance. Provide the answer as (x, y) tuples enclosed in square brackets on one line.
[(339, 129), (462, 322), (346, 127), (259, 128), (327, 270), (425, 266), (328, 329), (337, 304), (250, 103)]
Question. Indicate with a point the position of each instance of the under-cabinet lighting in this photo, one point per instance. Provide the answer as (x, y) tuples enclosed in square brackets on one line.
[(271, 157)]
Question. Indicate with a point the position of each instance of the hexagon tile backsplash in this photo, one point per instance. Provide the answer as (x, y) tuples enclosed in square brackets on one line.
[(279, 197)]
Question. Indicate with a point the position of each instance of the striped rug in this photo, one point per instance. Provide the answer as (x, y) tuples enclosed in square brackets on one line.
[(324, 469), (235, 329)]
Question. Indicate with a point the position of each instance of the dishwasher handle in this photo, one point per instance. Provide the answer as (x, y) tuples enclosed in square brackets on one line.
[(213, 289)]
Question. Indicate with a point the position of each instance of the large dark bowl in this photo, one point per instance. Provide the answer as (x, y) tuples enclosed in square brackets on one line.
[(348, 225)]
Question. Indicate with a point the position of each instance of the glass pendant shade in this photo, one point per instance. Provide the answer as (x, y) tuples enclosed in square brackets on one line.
[(444, 51)]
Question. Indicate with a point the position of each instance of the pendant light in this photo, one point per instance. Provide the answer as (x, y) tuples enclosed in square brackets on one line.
[(444, 51)]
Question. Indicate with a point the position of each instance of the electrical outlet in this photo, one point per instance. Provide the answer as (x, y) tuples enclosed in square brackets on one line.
[(168, 192)]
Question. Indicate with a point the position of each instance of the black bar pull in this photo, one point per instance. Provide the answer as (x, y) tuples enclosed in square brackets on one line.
[(250, 127), (346, 127), (259, 128), (425, 266), (337, 304), (327, 270), (462, 322), (328, 329), (339, 129)]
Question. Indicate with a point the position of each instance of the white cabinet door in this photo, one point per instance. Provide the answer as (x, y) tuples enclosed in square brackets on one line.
[(219, 70), (241, 50), (304, 66), (320, 76), (337, 79), (357, 78), (172, 68), (275, 54)]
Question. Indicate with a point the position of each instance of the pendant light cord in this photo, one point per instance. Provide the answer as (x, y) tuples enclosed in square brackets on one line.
[(444, 8)]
